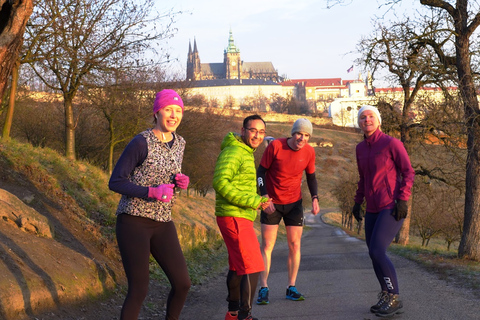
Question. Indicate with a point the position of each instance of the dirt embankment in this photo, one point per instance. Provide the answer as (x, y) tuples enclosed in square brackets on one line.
[(57, 260), (49, 254)]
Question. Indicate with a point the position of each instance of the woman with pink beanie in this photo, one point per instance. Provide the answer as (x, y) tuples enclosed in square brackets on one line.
[(145, 175)]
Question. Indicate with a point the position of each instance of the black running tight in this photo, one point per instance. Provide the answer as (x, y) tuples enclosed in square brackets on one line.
[(380, 230), (137, 237), (241, 290)]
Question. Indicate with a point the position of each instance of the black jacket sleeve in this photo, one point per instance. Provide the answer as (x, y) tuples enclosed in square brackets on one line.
[(312, 184), (261, 174)]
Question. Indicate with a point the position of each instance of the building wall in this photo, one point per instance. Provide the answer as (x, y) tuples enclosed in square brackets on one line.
[(239, 93), (270, 117), (343, 111)]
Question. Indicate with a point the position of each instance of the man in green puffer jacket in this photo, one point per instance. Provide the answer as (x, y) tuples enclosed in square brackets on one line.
[(236, 207)]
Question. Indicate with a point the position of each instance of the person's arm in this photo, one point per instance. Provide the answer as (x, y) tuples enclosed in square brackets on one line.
[(313, 188), (261, 175), (312, 184), (403, 165), (261, 178), (133, 155), (360, 193)]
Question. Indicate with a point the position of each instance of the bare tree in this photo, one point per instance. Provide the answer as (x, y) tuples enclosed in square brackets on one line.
[(343, 191), (14, 15), (277, 103), (454, 46), (124, 99), (428, 207), (73, 42), (394, 48), (465, 17), (452, 226)]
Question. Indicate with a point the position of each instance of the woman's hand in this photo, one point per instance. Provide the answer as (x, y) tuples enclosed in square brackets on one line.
[(182, 181), (163, 192)]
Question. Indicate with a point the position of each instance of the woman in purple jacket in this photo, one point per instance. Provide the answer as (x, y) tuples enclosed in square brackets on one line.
[(386, 179)]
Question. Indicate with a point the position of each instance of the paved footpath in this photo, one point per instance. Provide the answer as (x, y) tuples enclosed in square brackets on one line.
[(338, 282)]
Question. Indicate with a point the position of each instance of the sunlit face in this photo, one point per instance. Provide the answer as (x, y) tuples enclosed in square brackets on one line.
[(368, 122), (254, 133), (169, 118), (299, 140)]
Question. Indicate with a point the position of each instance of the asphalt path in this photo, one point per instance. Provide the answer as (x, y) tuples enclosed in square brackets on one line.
[(337, 279)]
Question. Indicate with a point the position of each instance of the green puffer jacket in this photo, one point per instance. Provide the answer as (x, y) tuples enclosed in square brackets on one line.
[(235, 180)]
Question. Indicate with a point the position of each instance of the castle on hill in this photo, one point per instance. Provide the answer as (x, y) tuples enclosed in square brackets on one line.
[(232, 66)]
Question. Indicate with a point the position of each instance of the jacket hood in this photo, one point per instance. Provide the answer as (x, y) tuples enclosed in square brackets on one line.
[(234, 139)]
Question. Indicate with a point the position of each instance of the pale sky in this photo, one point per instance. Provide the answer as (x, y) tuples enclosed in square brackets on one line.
[(302, 38)]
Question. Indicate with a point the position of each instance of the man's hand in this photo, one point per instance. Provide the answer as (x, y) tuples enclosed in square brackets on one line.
[(315, 206), (268, 207)]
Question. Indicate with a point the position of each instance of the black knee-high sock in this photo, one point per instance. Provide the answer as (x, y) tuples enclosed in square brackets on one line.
[(248, 288), (233, 285)]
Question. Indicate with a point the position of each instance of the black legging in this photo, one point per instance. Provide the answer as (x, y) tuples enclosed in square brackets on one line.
[(241, 289), (137, 237), (380, 230)]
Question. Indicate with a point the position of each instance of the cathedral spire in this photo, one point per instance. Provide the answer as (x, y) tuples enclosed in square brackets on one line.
[(231, 44), (194, 67)]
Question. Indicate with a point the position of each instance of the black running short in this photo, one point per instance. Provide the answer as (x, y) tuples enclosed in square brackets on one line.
[(292, 214)]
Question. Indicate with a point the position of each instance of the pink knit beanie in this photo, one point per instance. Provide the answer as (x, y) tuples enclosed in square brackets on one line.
[(167, 97)]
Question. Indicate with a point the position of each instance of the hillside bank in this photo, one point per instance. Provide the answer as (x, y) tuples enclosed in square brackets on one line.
[(58, 244)]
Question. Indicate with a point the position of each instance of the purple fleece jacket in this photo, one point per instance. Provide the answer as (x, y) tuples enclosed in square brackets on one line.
[(386, 173)]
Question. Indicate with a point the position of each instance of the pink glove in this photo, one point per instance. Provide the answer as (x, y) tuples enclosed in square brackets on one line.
[(163, 192), (182, 181)]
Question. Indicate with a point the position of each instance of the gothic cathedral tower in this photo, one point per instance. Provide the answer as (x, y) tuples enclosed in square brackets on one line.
[(193, 63), (231, 60)]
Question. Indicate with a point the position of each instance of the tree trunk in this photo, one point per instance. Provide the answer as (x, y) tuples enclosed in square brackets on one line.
[(403, 236), (359, 227), (470, 243), (69, 128), (14, 15), (111, 146), (11, 103)]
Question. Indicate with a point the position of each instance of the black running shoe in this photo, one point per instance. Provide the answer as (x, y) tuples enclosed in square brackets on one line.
[(392, 306), (293, 294), (382, 297)]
